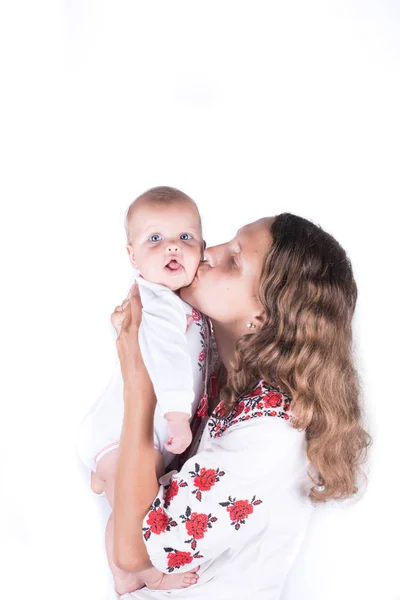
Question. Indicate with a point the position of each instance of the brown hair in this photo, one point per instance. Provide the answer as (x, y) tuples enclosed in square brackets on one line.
[(161, 195), (309, 295)]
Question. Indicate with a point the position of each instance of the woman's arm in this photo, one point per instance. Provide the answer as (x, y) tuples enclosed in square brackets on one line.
[(136, 482)]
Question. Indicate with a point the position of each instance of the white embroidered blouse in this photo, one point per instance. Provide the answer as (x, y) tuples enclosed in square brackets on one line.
[(239, 508)]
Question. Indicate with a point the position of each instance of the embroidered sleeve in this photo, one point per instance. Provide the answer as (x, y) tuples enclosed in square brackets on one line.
[(200, 512)]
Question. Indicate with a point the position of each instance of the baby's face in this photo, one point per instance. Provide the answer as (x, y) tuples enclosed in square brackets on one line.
[(167, 244)]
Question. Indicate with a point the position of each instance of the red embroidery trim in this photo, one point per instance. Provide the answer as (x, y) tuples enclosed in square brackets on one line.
[(260, 402)]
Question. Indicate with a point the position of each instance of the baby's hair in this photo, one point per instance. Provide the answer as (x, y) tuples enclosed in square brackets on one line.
[(157, 196)]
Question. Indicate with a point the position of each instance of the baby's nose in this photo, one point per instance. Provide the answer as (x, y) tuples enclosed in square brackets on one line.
[(173, 247)]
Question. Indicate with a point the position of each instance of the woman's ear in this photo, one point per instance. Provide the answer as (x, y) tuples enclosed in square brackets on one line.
[(131, 255), (259, 316), (260, 320)]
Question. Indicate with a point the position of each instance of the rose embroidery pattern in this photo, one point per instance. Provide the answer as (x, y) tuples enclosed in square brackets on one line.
[(204, 479), (196, 525), (177, 559), (171, 490), (200, 321), (263, 401), (158, 521), (239, 510)]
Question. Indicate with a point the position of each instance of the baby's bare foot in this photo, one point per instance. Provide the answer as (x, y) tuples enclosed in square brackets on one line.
[(161, 581)]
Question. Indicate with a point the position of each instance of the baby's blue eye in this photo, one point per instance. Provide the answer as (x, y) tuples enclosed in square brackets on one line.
[(188, 236), (151, 238)]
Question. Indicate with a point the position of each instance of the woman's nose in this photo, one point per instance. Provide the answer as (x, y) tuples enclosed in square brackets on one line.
[(211, 256)]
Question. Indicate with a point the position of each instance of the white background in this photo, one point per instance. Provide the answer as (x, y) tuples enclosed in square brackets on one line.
[(252, 108)]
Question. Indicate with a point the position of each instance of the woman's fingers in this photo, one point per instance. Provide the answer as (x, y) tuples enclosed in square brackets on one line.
[(117, 319), (119, 315), (130, 311), (135, 305)]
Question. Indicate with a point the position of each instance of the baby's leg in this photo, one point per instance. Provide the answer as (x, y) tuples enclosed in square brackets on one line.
[(96, 483), (127, 581)]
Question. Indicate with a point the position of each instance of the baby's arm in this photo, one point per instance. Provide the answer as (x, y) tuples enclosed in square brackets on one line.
[(180, 434)]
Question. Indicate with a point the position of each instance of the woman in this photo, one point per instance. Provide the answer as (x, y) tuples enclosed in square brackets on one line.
[(288, 430)]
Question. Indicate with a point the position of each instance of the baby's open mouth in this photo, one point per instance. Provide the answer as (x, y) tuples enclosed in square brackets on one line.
[(174, 266)]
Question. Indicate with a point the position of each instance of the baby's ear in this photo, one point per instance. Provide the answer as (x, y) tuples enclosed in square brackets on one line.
[(131, 255), (204, 247)]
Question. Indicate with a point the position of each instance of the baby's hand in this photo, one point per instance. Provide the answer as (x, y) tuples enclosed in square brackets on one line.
[(179, 432)]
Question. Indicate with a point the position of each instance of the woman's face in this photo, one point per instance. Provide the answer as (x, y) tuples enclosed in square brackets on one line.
[(226, 285)]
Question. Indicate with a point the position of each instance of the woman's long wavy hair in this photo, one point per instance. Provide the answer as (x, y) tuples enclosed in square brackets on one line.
[(309, 294)]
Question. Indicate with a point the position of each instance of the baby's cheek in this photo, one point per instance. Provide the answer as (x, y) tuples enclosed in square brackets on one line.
[(191, 266)]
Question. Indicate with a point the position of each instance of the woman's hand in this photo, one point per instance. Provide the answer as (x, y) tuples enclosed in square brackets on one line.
[(129, 311), (126, 320)]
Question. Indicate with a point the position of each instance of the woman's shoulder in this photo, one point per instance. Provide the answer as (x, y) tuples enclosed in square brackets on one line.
[(263, 402)]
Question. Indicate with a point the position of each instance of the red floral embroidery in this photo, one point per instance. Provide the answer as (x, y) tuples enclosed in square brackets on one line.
[(204, 479), (258, 391), (259, 402), (172, 490), (196, 525), (273, 399), (196, 315), (239, 510), (158, 521), (220, 410), (202, 323), (238, 409), (177, 559)]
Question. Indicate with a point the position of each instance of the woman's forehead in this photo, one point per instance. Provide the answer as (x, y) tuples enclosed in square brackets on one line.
[(255, 237)]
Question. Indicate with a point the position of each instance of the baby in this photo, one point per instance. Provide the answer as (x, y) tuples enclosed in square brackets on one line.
[(165, 246)]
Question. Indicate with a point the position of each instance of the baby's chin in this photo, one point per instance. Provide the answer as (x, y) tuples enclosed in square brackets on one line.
[(177, 282), (179, 285)]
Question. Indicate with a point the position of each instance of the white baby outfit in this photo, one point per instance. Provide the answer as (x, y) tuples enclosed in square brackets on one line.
[(176, 358)]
